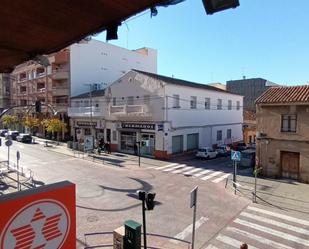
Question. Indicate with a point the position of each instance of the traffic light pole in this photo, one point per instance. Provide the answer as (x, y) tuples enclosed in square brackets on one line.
[(144, 223), (139, 154)]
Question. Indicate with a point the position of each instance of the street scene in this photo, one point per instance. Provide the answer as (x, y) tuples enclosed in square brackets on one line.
[(154, 124)]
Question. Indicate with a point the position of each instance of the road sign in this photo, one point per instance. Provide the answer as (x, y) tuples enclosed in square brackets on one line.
[(8, 143), (193, 196), (235, 155)]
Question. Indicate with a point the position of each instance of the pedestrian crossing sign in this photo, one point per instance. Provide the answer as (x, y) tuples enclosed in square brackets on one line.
[(235, 155)]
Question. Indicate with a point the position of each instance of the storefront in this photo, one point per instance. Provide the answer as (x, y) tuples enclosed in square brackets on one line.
[(84, 128), (131, 133)]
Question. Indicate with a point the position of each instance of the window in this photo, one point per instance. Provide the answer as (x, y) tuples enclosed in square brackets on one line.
[(219, 135), (207, 103), (130, 100), (229, 133), (229, 105), (219, 104), (176, 101), (237, 105), (114, 135), (288, 123), (114, 101), (193, 102)]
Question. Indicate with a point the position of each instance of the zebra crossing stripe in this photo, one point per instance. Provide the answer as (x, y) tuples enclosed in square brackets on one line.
[(260, 239), (281, 216), (275, 223), (181, 170), (273, 232), (166, 166), (175, 167), (193, 171), (205, 178), (204, 172), (211, 247), (232, 242), (221, 178)]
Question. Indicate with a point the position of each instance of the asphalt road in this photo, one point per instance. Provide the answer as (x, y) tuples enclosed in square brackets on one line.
[(106, 197)]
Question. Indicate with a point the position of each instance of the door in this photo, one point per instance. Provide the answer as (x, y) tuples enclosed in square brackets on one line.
[(192, 141), (290, 165), (177, 144), (148, 149)]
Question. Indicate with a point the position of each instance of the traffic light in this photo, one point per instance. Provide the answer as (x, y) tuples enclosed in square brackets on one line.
[(150, 201), (141, 195), (38, 106)]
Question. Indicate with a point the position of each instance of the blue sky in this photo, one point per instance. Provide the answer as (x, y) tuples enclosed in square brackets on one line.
[(261, 38)]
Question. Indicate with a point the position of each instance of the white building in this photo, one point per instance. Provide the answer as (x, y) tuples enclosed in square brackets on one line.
[(170, 115), (96, 62)]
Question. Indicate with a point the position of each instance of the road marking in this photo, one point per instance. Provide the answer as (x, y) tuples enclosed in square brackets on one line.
[(232, 242), (205, 178), (273, 232), (281, 216), (193, 171), (211, 247), (181, 170), (188, 230), (204, 172), (175, 167), (221, 178), (275, 223), (165, 166), (260, 239)]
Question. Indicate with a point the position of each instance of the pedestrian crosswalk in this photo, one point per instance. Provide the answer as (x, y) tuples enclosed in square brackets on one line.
[(263, 229), (197, 172)]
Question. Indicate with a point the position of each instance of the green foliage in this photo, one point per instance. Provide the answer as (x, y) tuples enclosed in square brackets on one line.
[(54, 125), (9, 121)]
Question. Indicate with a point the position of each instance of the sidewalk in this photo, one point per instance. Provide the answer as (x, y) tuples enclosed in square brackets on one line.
[(284, 194)]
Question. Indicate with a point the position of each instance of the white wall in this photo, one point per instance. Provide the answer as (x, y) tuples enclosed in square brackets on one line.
[(99, 62), (185, 116)]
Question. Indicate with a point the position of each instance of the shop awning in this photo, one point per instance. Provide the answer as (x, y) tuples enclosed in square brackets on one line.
[(29, 28)]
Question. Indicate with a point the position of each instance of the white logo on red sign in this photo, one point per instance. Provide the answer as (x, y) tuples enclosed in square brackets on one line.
[(42, 224)]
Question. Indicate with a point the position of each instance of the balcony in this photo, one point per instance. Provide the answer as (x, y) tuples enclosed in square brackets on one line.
[(60, 91), (129, 110), (60, 75), (85, 111)]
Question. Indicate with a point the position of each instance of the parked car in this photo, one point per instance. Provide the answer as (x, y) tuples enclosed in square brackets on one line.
[(2, 132), (206, 152), (11, 135), (223, 150), (241, 146), (24, 138)]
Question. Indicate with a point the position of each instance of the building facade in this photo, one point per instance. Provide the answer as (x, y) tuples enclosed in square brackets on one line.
[(283, 132), (169, 115), (251, 89), (4, 91)]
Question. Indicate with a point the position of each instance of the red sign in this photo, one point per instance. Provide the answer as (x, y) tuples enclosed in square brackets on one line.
[(41, 218)]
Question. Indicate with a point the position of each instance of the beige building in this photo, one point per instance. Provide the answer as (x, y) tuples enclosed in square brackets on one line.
[(4, 91), (283, 132)]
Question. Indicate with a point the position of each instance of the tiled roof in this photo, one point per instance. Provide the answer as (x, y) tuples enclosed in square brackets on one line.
[(285, 95), (180, 82), (249, 115)]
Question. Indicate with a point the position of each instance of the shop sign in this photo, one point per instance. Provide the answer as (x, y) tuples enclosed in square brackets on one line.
[(138, 126), (160, 127), (86, 124), (39, 218)]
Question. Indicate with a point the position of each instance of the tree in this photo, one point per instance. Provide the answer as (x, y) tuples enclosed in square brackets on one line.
[(9, 121), (54, 125), (31, 123)]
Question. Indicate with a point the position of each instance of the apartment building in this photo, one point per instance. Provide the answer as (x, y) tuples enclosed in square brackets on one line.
[(170, 115), (73, 69), (4, 91), (283, 132), (251, 89)]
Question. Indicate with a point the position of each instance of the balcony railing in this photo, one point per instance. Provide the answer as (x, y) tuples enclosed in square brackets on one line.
[(60, 74), (85, 111), (140, 110)]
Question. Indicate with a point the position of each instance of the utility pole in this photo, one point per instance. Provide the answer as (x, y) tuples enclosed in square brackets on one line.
[(91, 117)]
